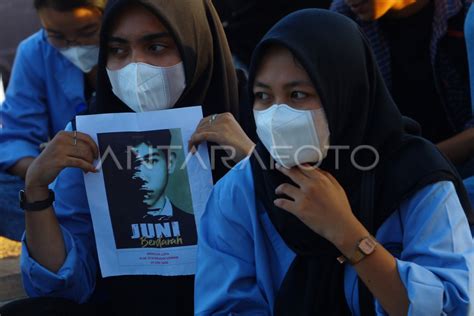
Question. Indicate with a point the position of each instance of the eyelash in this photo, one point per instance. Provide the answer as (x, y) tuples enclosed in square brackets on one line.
[(83, 35), (299, 92), (260, 95), (116, 50), (153, 46), (89, 34)]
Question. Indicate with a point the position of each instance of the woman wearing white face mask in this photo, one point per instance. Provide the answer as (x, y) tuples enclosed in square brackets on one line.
[(380, 228), (154, 55), (52, 80)]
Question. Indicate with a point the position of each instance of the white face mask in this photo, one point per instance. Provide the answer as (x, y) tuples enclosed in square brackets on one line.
[(293, 137), (83, 57), (143, 87)]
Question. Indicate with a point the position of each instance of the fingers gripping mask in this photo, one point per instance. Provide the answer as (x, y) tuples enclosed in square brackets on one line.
[(293, 137), (143, 87)]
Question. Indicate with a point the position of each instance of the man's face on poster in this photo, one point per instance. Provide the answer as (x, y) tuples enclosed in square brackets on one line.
[(153, 167)]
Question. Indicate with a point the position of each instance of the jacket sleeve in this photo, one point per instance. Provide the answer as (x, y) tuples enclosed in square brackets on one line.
[(77, 277), (469, 37), (341, 7), (24, 113), (226, 281), (436, 264)]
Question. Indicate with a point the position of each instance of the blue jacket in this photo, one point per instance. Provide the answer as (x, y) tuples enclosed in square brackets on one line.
[(76, 280), (242, 260), (469, 35), (45, 92)]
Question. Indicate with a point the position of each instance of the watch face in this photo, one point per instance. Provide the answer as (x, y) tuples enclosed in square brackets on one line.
[(367, 245)]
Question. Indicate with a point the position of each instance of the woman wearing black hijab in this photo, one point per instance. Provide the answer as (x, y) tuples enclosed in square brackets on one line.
[(182, 42), (384, 216)]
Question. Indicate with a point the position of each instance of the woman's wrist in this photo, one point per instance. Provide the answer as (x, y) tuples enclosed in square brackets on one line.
[(348, 237), (36, 193), (244, 150)]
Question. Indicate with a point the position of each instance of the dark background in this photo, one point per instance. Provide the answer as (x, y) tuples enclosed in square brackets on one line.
[(19, 20)]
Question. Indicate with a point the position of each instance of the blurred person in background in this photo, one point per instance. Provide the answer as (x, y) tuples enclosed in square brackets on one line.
[(12, 11), (420, 49), (52, 79), (245, 22)]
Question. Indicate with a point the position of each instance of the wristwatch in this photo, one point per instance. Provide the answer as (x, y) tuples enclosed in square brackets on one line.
[(364, 247), (38, 205)]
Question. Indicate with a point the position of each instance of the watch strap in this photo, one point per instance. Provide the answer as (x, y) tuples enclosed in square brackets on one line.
[(37, 205), (359, 255)]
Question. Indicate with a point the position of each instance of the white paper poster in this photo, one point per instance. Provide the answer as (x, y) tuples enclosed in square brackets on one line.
[(149, 194), (2, 91), (2, 98)]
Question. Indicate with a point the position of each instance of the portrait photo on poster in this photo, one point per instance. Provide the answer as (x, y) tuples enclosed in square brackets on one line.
[(147, 188)]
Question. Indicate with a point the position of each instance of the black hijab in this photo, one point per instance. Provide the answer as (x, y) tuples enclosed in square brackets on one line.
[(360, 111), (211, 81)]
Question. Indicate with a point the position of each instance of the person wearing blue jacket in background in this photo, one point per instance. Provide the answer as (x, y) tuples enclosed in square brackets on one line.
[(469, 35), (380, 225), (52, 80)]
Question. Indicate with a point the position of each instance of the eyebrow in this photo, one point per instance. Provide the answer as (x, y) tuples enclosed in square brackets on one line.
[(298, 83), (261, 85), (151, 37), (287, 85), (145, 38)]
